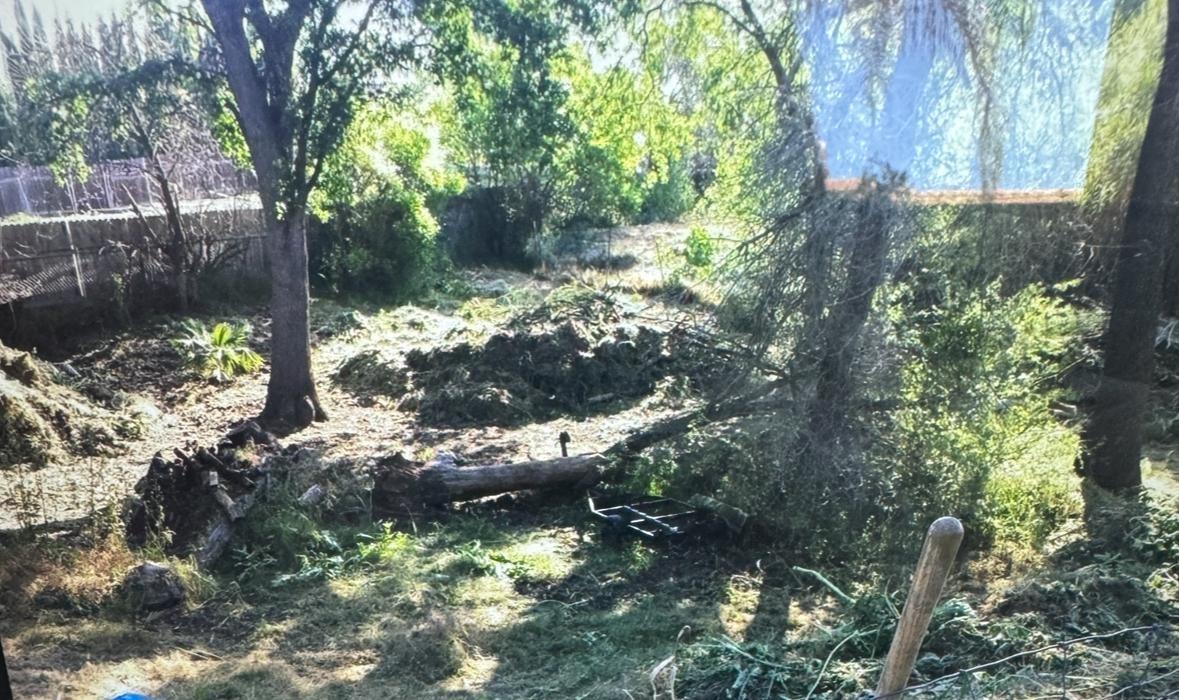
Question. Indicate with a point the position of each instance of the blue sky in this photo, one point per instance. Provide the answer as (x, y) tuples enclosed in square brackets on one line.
[(1046, 94)]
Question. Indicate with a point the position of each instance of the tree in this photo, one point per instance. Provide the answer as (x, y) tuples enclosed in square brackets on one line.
[(510, 122), (1133, 60), (146, 96), (1114, 434), (296, 70), (162, 107)]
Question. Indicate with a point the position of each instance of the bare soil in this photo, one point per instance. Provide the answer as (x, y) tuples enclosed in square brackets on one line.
[(139, 366)]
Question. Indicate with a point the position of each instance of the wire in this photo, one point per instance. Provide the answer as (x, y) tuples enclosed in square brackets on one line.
[(991, 664), (1141, 684)]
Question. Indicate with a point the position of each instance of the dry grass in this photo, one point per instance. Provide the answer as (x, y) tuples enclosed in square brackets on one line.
[(82, 577)]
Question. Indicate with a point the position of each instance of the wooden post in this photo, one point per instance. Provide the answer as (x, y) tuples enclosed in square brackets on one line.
[(937, 555), (74, 257)]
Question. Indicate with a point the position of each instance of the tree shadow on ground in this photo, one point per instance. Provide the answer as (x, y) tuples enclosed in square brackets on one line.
[(1100, 582), (598, 629), (487, 622), (543, 608)]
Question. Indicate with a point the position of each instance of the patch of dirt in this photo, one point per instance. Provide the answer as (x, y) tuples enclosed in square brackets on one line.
[(137, 373)]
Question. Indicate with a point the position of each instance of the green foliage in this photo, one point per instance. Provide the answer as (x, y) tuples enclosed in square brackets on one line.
[(970, 431), (627, 157), (325, 557), (291, 546), (1133, 61), (725, 93), (474, 559), (227, 132), (671, 195), (507, 117), (219, 353), (559, 140), (699, 248), (975, 435), (67, 106), (65, 140), (375, 206)]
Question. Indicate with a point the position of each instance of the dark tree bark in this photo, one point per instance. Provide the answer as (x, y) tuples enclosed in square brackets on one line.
[(263, 95), (5, 684), (1114, 434), (290, 394), (845, 322)]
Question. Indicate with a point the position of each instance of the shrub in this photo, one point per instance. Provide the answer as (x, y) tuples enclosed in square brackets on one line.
[(975, 435), (970, 385), (669, 198), (219, 353), (483, 226), (383, 246), (375, 210), (699, 248)]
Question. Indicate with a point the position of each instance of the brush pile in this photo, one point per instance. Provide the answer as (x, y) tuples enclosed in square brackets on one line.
[(43, 419), (574, 354), (194, 499)]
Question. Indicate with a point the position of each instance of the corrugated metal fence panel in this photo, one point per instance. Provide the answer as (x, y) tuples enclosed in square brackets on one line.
[(59, 262), (115, 184)]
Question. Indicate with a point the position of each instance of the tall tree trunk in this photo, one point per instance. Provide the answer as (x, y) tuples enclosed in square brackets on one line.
[(290, 396), (1114, 433), (1114, 150), (844, 324)]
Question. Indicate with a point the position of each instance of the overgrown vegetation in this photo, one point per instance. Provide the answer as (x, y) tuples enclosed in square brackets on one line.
[(842, 364), (378, 206)]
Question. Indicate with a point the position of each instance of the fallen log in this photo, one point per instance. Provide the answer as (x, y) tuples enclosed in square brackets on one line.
[(401, 485)]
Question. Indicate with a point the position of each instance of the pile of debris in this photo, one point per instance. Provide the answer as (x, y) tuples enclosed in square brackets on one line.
[(43, 419), (195, 498), (567, 356)]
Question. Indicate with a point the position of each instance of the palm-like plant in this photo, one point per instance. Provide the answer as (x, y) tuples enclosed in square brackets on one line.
[(218, 353)]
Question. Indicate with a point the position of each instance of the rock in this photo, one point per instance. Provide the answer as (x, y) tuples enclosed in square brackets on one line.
[(151, 587), (492, 288), (313, 496), (444, 459)]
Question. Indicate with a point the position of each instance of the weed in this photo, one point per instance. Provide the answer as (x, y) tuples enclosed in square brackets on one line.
[(699, 248)]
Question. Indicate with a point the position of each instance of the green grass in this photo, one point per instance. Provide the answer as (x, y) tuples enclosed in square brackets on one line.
[(518, 605), (528, 602)]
